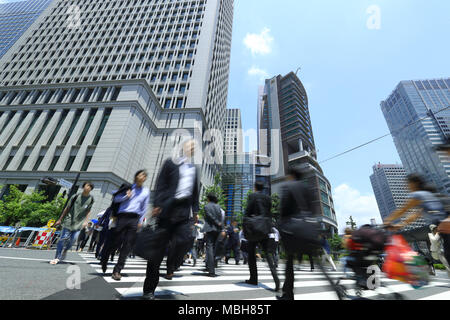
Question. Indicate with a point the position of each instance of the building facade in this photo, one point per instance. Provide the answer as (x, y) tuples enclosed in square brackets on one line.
[(286, 137), (418, 116), (16, 18), (390, 188), (150, 67)]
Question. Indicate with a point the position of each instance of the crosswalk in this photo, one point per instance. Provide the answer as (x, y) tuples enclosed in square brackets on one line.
[(193, 284)]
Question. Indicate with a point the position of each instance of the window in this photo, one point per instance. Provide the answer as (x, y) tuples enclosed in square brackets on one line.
[(70, 163), (86, 163), (91, 117), (105, 119), (179, 103), (53, 164), (7, 162), (72, 126), (58, 126), (35, 118), (22, 117), (22, 163), (168, 103)]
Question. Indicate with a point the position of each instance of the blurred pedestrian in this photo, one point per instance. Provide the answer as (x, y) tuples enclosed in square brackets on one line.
[(432, 209), (295, 196), (273, 247), (436, 249), (243, 246), (326, 253), (233, 242), (213, 227), (176, 204), (260, 204), (83, 238), (133, 208), (74, 218)]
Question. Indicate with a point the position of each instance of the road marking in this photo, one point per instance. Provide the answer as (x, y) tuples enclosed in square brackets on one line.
[(33, 259)]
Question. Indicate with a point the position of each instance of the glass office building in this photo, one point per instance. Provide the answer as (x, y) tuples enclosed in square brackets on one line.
[(418, 116), (16, 18)]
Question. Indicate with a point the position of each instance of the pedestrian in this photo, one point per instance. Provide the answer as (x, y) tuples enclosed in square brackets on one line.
[(131, 213), (213, 227), (260, 204), (295, 196), (436, 248), (233, 242), (94, 237), (176, 205), (422, 196), (74, 218), (243, 246), (326, 254), (83, 238), (274, 240), (346, 242), (300, 257)]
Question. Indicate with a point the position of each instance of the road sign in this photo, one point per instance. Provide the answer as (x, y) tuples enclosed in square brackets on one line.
[(65, 183), (50, 223)]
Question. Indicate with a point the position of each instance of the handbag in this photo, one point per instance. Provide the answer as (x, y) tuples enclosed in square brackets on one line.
[(300, 233), (257, 228), (148, 242)]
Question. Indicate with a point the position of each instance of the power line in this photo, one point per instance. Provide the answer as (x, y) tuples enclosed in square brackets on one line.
[(379, 138)]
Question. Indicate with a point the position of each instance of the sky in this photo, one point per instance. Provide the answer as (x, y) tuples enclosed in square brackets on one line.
[(352, 55)]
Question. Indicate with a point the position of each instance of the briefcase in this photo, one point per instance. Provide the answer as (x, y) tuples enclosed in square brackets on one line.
[(300, 233), (148, 242)]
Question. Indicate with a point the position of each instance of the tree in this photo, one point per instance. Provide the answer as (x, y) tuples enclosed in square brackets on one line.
[(275, 210), (30, 210), (351, 223), (335, 243), (239, 216), (216, 189)]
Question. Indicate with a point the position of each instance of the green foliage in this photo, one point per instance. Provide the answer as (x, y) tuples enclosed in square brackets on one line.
[(216, 188), (335, 243), (275, 207), (28, 209), (239, 216), (439, 266)]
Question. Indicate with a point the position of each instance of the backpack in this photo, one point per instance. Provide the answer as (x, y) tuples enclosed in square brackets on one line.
[(371, 238)]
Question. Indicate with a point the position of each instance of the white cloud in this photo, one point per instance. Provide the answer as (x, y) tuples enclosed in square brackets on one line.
[(350, 202), (259, 43), (260, 73)]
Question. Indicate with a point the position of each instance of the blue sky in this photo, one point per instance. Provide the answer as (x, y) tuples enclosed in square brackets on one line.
[(347, 69)]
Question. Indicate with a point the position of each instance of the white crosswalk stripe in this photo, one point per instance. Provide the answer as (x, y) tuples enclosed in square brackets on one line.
[(191, 283)]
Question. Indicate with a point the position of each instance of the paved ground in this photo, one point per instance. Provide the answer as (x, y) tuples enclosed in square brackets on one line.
[(26, 274)]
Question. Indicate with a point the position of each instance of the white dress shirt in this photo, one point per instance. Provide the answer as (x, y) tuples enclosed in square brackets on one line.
[(187, 179)]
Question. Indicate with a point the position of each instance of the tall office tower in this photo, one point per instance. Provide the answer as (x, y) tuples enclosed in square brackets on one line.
[(238, 179), (16, 18), (390, 188), (108, 82), (233, 133), (418, 116), (286, 137)]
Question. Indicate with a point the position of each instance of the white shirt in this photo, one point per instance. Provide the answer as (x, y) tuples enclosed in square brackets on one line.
[(275, 235), (435, 241), (241, 236), (187, 179)]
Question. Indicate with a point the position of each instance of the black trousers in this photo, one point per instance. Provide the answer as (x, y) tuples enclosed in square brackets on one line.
[(311, 260), (211, 241), (252, 261), (124, 237), (446, 245), (236, 251), (179, 235)]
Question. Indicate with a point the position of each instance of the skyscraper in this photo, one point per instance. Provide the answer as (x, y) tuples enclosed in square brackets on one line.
[(15, 18), (286, 137), (233, 133), (105, 84), (418, 116), (390, 188)]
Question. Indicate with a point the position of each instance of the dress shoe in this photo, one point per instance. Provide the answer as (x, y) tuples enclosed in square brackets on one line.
[(116, 276), (212, 275), (237, 263), (148, 296), (285, 297), (104, 266), (169, 276), (253, 283)]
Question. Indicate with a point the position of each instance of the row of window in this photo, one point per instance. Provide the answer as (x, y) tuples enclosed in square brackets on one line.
[(57, 155)]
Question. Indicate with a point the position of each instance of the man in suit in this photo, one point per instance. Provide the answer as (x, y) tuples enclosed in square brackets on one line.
[(260, 204), (295, 195), (176, 204), (212, 228)]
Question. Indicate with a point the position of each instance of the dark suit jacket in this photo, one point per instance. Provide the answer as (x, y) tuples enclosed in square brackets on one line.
[(295, 197), (213, 218), (164, 195), (258, 204)]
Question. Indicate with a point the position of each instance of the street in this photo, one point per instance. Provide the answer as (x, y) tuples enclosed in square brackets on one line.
[(27, 275)]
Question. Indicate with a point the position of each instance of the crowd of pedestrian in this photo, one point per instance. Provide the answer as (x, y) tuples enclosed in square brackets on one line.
[(177, 233)]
